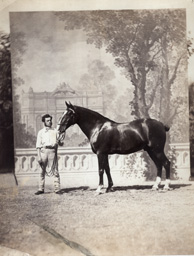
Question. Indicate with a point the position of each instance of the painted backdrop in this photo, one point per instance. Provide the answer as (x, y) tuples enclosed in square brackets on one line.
[(136, 59)]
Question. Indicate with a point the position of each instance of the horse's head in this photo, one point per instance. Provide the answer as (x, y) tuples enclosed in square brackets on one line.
[(67, 119)]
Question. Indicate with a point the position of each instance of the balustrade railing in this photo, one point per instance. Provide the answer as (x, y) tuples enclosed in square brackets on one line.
[(82, 160)]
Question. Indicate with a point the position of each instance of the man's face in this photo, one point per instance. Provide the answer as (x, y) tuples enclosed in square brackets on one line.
[(48, 122)]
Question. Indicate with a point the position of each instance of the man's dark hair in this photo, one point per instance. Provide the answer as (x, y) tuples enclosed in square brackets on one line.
[(46, 116)]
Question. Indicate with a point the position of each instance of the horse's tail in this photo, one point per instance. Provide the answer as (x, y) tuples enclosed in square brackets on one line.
[(166, 127)]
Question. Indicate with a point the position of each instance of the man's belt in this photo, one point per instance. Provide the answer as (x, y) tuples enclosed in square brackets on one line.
[(49, 147)]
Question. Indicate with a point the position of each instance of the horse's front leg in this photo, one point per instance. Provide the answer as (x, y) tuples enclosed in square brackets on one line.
[(101, 183), (110, 182), (101, 172)]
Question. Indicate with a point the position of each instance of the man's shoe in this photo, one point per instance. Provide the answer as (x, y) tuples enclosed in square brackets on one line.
[(59, 192), (39, 192)]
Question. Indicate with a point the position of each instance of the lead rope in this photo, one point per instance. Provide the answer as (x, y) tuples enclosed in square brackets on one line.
[(51, 172)]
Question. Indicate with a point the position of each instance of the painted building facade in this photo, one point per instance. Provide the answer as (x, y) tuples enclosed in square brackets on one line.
[(36, 104)]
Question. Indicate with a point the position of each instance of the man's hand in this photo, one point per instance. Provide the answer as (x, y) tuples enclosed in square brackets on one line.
[(61, 143), (40, 161)]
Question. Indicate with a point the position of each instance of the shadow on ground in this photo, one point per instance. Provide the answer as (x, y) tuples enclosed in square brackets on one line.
[(123, 188), (143, 187), (67, 190)]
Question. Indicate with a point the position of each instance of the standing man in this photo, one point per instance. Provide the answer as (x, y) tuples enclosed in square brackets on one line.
[(47, 145)]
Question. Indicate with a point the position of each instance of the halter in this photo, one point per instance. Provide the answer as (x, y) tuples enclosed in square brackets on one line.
[(59, 123), (61, 137)]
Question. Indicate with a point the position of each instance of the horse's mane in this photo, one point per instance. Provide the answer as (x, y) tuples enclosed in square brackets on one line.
[(92, 113)]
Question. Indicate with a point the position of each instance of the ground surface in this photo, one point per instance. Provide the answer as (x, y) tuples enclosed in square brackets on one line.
[(130, 221)]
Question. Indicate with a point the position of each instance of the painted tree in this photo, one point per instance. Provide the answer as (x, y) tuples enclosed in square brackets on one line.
[(147, 45), (99, 77), (190, 48), (6, 117), (173, 53), (22, 138), (5, 78)]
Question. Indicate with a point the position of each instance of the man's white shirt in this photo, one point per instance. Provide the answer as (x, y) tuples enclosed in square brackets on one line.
[(47, 137)]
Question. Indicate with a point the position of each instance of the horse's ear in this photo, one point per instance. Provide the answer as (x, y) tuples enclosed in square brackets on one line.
[(71, 106), (67, 104)]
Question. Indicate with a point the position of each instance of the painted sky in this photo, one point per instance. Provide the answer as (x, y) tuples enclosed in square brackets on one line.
[(54, 55), (69, 58), (63, 5)]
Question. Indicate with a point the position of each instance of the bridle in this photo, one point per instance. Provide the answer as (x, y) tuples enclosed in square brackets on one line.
[(61, 136), (60, 123)]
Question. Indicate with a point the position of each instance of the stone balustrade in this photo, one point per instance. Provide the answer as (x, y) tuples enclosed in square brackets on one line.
[(78, 166)]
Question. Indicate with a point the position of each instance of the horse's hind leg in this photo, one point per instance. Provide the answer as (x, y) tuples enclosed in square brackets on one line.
[(158, 166), (166, 164), (160, 160)]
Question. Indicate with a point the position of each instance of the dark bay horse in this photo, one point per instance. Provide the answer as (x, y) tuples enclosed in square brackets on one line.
[(108, 137)]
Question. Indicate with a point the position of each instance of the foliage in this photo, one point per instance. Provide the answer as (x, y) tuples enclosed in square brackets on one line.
[(135, 167), (140, 165), (147, 45), (172, 155), (190, 49), (5, 81), (99, 77), (149, 48), (6, 116), (151, 172), (75, 140), (191, 118), (84, 143), (22, 138)]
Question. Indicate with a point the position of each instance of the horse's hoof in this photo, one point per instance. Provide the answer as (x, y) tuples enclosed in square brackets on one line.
[(167, 189), (109, 190), (162, 191), (154, 189), (97, 193)]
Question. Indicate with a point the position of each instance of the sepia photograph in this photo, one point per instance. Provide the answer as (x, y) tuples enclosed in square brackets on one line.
[(96, 130)]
